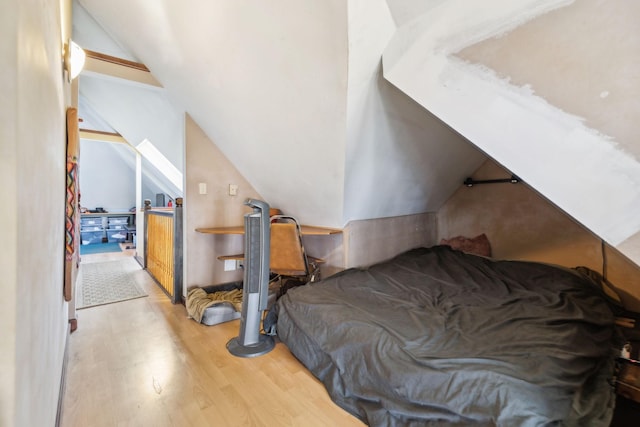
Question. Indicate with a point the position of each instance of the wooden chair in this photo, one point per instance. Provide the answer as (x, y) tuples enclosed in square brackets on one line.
[(288, 256)]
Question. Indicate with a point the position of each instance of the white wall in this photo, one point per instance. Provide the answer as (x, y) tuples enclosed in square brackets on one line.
[(582, 59), (33, 314), (209, 166), (9, 213), (138, 112), (361, 243), (523, 225), (371, 241), (90, 35), (106, 179), (404, 11), (398, 153), (539, 87)]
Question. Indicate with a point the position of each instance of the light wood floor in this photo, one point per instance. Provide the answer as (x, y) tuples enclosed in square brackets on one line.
[(144, 363)]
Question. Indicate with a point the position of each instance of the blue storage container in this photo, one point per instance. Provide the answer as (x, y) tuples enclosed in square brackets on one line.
[(91, 221), (118, 236), (91, 237), (119, 220)]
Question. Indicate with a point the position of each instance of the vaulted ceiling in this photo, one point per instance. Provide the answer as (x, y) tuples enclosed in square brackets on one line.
[(294, 97), (351, 109)]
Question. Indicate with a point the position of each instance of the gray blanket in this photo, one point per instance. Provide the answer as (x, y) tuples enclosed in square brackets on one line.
[(438, 337)]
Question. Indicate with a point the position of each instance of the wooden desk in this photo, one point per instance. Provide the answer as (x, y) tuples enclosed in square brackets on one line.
[(307, 230)]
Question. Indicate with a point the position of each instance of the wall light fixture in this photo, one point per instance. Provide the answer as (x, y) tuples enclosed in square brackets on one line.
[(74, 58)]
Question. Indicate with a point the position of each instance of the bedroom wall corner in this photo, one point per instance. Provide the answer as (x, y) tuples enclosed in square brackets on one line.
[(522, 225), (373, 240), (330, 248)]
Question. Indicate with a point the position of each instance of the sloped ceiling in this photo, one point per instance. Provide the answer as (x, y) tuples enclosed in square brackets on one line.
[(400, 159), (548, 88), (265, 82), (114, 103), (137, 114), (291, 92)]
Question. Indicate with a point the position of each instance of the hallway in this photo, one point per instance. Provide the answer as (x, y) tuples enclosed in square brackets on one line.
[(142, 362)]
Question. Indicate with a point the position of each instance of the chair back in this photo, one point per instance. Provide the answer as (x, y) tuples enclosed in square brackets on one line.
[(288, 257)]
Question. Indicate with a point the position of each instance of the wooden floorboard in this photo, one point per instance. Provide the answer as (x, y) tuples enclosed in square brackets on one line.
[(143, 362)]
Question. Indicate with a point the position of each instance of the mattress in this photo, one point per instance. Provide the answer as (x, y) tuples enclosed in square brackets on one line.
[(439, 337)]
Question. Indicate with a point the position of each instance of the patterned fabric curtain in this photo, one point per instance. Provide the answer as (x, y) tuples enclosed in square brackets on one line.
[(72, 215)]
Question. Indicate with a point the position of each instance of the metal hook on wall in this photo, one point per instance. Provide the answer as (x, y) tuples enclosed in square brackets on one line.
[(470, 182)]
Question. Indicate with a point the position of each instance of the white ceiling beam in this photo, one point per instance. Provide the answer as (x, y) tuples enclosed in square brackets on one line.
[(111, 67), (96, 135)]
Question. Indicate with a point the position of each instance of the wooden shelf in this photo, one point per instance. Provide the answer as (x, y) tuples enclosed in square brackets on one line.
[(307, 230), (236, 257)]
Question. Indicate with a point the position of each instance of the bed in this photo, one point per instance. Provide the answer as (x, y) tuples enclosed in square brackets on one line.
[(440, 337)]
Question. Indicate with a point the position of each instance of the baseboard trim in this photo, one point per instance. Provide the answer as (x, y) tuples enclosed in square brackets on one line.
[(63, 376)]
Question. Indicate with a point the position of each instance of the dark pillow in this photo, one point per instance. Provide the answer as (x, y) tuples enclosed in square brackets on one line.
[(478, 245)]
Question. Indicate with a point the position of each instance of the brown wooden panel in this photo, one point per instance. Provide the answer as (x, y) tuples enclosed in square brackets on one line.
[(160, 250)]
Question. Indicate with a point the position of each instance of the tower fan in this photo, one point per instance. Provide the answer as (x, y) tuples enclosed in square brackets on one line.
[(250, 342)]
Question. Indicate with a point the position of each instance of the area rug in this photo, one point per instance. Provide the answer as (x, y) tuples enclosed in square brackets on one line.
[(99, 248), (108, 282)]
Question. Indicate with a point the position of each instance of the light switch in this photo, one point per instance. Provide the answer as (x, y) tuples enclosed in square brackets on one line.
[(233, 189), (202, 188)]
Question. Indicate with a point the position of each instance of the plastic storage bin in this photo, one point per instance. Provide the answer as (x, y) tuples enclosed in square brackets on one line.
[(119, 220), (91, 237), (91, 221), (116, 236)]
